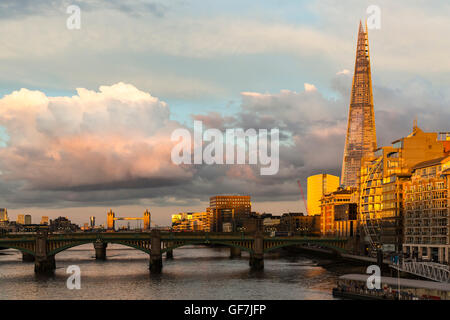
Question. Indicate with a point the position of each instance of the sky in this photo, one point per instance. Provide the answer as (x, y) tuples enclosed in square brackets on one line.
[(86, 115)]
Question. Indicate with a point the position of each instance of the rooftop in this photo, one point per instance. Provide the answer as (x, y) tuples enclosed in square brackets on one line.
[(428, 163)]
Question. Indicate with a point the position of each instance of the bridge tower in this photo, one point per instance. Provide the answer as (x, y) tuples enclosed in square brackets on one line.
[(147, 220), (110, 219)]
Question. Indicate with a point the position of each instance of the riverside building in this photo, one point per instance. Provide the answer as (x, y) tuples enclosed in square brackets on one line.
[(192, 221), (381, 186), (338, 213), (427, 211), (234, 209), (317, 186)]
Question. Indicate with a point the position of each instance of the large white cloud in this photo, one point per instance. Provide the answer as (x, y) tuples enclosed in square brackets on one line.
[(90, 140)]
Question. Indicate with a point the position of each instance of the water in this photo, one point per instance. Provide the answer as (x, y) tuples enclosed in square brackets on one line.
[(194, 273)]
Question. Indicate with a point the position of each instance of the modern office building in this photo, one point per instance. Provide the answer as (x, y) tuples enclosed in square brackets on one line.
[(92, 221), (3, 215), (270, 222), (299, 223), (381, 185), (44, 220), (317, 186), (191, 221), (427, 211), (62, 224), (21, 219), (202, 221), (361, 140), (28, 219), (345, 220), (338, 213), (234, 209)]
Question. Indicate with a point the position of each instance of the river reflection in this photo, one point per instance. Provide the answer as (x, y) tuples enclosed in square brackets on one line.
[(194, 273)]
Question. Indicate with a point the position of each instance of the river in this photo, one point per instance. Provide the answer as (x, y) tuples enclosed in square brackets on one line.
[(194, 273)]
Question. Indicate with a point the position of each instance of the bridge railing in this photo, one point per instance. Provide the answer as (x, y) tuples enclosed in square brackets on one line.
[(430, 270)]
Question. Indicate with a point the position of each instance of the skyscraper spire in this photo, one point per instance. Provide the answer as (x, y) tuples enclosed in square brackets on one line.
[(361, 140)]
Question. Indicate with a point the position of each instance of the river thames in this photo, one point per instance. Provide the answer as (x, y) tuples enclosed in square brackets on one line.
[(194, 273)]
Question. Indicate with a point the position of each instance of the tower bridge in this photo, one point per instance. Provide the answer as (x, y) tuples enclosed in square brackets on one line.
[(43, 246), (111, 219)]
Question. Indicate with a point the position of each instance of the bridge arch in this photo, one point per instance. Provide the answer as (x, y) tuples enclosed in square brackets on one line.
[(21, 249), (282, 244), (187, 243), (79, 243)]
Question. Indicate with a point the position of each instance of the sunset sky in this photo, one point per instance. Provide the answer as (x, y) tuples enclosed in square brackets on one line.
[(86, 115)]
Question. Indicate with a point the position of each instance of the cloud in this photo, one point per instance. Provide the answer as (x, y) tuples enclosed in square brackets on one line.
[(345, 71), (112, 146), (114, 138), (309, 87), (314, 127)]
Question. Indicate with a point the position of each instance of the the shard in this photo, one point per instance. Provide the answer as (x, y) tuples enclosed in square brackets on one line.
[(361, 140)]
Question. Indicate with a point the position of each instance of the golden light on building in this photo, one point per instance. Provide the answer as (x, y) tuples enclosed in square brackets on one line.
[(427, 211), (336, 218), (192, 221), (44, 220), (361, 139), (234, 209), (381, 184), (317, 186)]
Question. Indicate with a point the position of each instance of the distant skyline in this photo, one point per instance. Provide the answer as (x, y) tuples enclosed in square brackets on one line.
[(86, 115)]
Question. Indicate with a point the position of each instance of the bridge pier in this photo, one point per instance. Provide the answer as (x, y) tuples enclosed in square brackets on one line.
[(43, 263), (235, 252), (169, 254), (100, 250), (155, 252), (256, 262), (27, 257), (257, 256)]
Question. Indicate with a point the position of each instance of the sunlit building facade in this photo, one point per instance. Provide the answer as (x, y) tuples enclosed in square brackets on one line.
[(332, 220), (381, 186), (234, 209), (317, 186), (192, 221), (21, 219), (3, 215), (427, 211), (361, 139), (44, 220)]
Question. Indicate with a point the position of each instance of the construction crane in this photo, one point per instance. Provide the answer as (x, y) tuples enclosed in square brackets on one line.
[(303, 196)]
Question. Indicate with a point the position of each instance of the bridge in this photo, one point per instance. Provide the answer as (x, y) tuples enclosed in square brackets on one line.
[(41, 247), (111, 218), (430, 270)]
